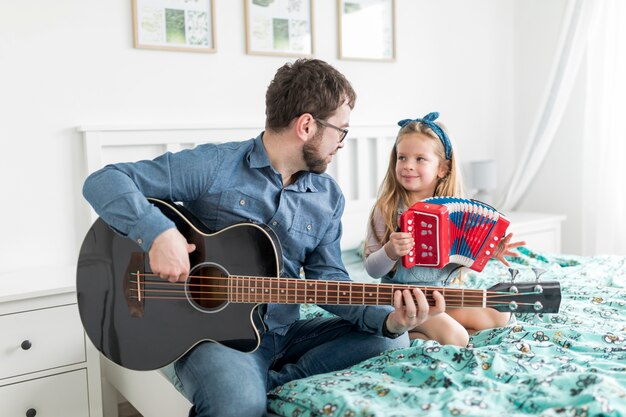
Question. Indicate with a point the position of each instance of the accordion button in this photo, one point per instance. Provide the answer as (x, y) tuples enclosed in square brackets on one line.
[(491, 245), (488, 253), (409, 221)]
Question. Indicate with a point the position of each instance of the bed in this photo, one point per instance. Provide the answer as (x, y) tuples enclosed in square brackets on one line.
[(567, 364)]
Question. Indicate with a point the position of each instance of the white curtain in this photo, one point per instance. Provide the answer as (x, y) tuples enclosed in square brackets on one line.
[(573, 37), (604, 169)]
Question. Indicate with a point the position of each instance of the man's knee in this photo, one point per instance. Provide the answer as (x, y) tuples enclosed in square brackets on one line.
[(398, 343), (253, 406), (222, 382), (375, 345), (226, 398)]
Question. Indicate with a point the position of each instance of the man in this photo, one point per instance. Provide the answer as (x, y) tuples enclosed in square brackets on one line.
[(276, 179)]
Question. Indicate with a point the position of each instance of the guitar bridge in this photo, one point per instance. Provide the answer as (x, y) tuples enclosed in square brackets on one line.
[(134, 285)]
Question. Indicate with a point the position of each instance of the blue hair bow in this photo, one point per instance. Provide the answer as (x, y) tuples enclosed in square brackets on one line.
[(429, 120)]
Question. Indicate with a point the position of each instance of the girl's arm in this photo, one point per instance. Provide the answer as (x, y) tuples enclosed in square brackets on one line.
[(377, 264), (381, 258)]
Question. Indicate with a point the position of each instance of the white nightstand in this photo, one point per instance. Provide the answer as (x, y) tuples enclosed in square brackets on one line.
[(47, 367), (542, 232)]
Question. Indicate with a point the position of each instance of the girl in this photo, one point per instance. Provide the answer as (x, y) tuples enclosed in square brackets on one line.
[(422, 165)]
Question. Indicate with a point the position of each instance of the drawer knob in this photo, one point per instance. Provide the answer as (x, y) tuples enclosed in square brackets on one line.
[(31, 412), (27, 345)]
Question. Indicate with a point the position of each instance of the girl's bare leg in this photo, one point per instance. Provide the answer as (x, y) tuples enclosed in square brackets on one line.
[(442, 328), (475, 319)]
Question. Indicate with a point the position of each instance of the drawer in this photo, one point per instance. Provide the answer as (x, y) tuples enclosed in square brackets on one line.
[(40, 339), (57, 395)]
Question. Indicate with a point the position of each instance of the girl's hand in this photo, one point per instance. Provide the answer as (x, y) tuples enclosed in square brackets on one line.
[(399, 245), (505, 248)]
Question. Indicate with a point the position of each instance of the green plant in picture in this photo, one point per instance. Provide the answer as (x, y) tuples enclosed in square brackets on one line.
[(262, 3), (175, 26), (351, 7), (281, 34)]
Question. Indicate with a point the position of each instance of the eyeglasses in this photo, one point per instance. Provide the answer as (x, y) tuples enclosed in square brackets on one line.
[(344, 132)]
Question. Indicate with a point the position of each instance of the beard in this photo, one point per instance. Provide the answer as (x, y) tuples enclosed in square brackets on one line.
[(310, 152)]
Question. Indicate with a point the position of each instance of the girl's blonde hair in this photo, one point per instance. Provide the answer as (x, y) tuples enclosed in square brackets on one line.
[(392, 195)]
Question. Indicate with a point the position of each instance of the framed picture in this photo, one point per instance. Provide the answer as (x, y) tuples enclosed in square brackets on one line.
[(279, 27), (174, 25), (367, 29)]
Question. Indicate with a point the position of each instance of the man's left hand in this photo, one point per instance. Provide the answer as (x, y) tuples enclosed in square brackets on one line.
[(412, 309)]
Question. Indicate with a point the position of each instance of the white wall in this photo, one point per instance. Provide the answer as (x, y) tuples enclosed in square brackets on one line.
[(557, 187), (71, 62)]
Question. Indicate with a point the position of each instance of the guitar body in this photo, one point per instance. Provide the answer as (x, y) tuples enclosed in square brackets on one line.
[(149, 332)]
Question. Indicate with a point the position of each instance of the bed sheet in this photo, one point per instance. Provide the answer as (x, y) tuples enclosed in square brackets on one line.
[(568, 364)]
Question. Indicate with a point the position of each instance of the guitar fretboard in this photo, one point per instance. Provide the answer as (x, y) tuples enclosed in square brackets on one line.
[(300, 291)]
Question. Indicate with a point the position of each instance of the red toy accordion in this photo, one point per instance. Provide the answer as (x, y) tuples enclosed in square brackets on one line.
[(450, 229)]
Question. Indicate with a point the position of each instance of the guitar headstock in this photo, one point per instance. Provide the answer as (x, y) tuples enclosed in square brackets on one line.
[(525, 297)]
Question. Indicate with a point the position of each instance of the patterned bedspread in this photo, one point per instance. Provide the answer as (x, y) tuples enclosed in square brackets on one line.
[(568, 364)]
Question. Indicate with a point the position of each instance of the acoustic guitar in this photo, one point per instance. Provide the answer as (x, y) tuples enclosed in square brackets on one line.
[(143, 322)]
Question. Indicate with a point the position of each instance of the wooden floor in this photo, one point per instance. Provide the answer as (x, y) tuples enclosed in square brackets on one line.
[(127, 410)]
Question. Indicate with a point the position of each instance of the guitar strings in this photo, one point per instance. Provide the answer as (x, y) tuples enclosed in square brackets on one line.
[(476, 294), (295, 301), (351, 299), (467, 292)]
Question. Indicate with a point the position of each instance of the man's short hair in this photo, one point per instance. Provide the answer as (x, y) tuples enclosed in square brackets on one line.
[(305, 86)]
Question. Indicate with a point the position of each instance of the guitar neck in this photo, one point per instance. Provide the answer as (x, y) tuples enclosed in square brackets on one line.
[(300, 291)]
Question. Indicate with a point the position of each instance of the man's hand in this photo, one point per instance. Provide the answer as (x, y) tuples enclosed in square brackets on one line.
[(408, 314), (169, 255), (399, 244), (505, 248)]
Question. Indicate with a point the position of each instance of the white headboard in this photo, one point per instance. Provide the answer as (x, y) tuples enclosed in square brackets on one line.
[(358, 168)]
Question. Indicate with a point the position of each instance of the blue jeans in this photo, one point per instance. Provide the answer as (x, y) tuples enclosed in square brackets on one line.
[(419, 275), (223, 382)]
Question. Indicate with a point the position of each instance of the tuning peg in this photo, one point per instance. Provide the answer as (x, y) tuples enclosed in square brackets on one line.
[(513, 272), (538, 273)]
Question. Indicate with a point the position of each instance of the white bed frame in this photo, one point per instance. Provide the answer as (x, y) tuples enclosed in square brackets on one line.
[(359, 169)]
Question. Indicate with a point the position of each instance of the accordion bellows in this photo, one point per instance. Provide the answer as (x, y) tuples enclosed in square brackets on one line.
[(452, 230)]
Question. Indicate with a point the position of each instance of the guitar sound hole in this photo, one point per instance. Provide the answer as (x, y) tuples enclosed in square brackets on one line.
[(207, 287)]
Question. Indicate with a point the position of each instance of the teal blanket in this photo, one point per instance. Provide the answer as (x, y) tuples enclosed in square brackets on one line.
[(568, 364)]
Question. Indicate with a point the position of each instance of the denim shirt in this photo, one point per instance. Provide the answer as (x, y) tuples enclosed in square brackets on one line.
[(224, 184)]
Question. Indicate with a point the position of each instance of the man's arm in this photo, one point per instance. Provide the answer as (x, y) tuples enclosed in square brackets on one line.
[(118, 194)]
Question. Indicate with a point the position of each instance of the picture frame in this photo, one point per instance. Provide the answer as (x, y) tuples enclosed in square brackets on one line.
[(279, 27), (367, 30), (174, 25)]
